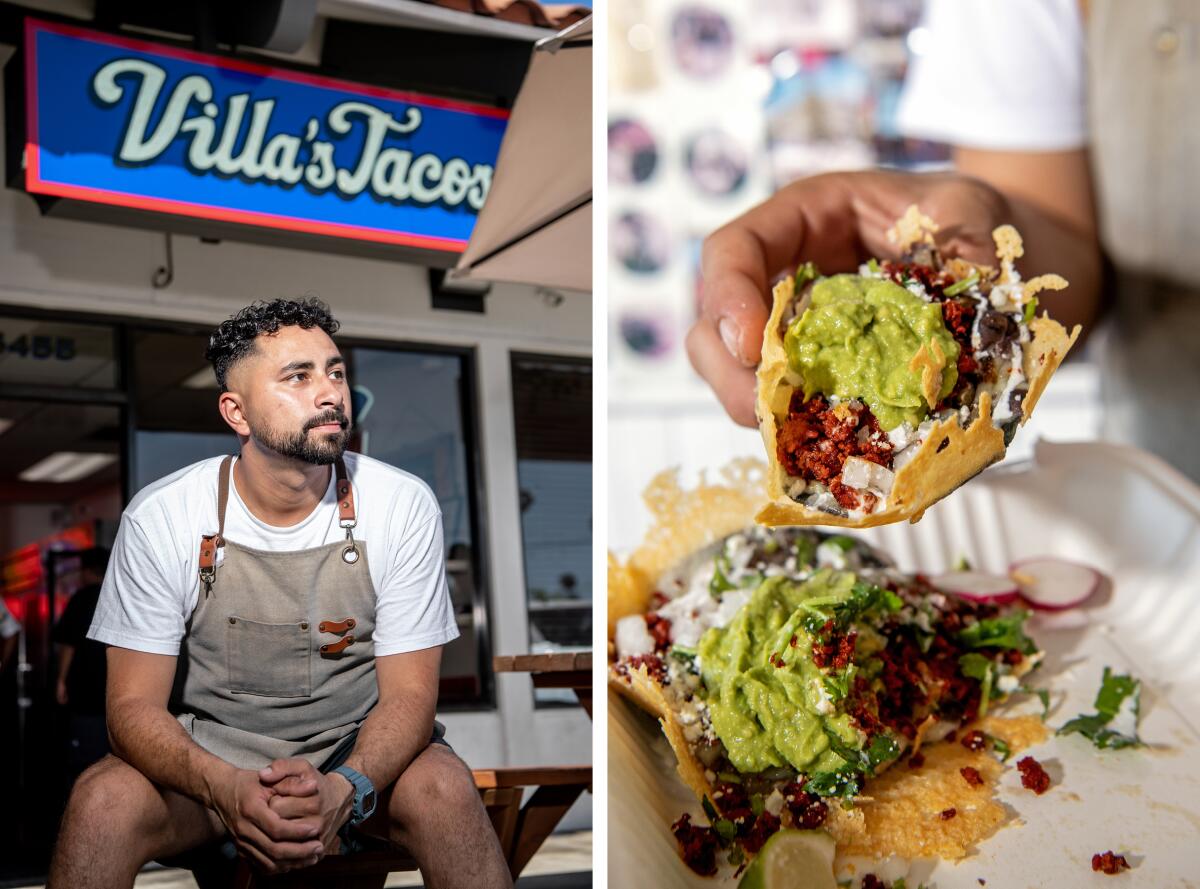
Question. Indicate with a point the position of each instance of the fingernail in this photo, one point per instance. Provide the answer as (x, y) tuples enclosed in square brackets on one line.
[(731, 336)]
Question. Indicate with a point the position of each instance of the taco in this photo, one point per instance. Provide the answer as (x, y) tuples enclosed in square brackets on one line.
[(881, 392), (802, 681)]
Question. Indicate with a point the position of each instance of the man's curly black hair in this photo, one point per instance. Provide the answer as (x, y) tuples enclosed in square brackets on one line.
[(235, 337)]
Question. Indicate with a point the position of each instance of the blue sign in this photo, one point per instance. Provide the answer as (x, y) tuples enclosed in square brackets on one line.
[(134, 124)]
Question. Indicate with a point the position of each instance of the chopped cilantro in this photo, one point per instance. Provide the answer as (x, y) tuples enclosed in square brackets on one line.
[(720, 583), (806, 551), (961, 286), (843, 783), (999, 632), (807, 272), (730, 777), (864, 598), (1000, 746), (737, 855), (899, 884), (882, 749), (873, 266), (757, 806), (771, 546), (962, 563), (837, 682), (1113, 692), (976, 666), (1044, 697), (725, 829), (683, 653), (1031, 308)]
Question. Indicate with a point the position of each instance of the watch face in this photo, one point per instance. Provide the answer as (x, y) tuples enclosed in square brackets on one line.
[(368, 802)]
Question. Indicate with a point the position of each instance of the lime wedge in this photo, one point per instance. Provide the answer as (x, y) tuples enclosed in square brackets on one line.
[(793, 859)]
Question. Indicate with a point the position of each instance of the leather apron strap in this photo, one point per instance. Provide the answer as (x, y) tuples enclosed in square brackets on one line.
[(210, 543)]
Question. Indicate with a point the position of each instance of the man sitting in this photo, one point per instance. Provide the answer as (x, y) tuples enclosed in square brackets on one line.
[(275, 625)]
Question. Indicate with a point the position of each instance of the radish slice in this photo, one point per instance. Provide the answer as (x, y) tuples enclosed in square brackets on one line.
[(1053, 584), (977, 586)]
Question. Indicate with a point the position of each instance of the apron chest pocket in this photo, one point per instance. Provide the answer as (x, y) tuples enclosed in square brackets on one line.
[(268, 659)]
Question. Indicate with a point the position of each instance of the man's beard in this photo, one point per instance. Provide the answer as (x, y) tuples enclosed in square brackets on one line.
[(322, 450)]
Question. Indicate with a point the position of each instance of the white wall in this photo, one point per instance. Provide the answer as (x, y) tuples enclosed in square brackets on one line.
[(74, 266)]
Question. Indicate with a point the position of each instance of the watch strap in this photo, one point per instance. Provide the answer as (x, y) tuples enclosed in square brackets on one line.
[(364, 794)]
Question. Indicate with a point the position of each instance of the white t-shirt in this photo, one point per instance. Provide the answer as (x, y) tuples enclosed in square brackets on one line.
[(152, 583), (1003, 75), (9, 625)]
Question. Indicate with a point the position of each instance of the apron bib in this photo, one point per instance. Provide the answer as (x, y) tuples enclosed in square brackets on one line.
[(278, 659)]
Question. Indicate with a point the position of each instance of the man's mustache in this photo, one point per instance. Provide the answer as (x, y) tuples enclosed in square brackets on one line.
[(327, 418)]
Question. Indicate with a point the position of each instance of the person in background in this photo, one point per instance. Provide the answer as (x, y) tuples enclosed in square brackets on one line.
[(82, 668), (10, 630), (1077, 122)]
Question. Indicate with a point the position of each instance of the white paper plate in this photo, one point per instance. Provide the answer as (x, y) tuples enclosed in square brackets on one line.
[(1137, 521)]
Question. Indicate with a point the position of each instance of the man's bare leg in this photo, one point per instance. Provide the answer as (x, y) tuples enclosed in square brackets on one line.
[(435, 812), (116, 821)]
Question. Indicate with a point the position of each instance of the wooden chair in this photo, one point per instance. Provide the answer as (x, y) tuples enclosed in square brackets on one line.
[(521, 829)]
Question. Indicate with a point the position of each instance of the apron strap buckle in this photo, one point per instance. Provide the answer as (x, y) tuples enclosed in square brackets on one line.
[(209, 544)]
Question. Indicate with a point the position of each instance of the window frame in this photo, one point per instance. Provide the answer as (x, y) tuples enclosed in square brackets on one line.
[(587, 361)]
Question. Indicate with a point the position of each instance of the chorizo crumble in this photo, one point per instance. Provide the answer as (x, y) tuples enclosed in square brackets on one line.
[(1109, 863), (1033, 776)]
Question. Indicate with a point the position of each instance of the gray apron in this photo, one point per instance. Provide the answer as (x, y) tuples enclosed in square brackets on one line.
[(1144, 121), (278, 659)]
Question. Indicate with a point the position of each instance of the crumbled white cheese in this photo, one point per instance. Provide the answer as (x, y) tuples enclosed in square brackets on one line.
[(1003, 412), (830, 555), (1008, 684), (900, 436), (731, 603), (688, 615), (917, 289), (901, 457), (774, 802), (824, 703), (632, 637), (862, 475)]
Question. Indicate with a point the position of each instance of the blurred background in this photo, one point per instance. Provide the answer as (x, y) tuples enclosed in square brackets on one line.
[(712, 106)]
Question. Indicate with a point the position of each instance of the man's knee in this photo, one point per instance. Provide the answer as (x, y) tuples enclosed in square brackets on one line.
[(440, 779), (111, 796)]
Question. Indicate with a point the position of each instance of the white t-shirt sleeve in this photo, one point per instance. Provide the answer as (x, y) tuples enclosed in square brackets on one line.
[(141, 606), (1004, 76), (412, 609)]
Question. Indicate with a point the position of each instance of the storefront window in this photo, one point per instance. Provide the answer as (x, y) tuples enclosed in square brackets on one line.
[(410, 413), (175, 405), (552, 406), (44, 352)]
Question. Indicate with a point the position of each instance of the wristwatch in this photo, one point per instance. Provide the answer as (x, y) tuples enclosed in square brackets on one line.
[(364, 794)]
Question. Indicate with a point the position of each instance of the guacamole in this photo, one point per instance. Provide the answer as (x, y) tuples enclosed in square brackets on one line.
[(857, 339), (768, 701)]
